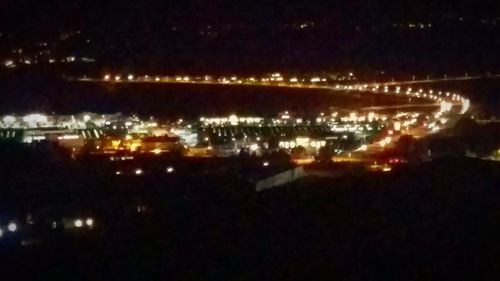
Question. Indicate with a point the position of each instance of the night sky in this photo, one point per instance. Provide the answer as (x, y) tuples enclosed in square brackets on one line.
[(50, 15)]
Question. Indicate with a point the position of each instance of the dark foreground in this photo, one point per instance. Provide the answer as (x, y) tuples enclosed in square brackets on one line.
[(437, 221)]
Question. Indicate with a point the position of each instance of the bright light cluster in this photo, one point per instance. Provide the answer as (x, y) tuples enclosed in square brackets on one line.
[(302, 141), (232, 119), (316, 81)]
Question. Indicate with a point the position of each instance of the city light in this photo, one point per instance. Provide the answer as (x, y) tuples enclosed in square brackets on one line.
[(465, 106), (233, 119), (35, 118), (382, 143), (68, 137), (8, 119), (445, 106), (364, 147), (12, 227), (397, 126), (292, 82), (78, 223)]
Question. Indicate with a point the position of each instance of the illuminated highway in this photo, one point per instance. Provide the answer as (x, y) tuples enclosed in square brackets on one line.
[(442, 101), (436, 80), (435, 98)]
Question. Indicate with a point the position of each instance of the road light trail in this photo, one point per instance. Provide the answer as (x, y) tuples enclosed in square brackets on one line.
[(276, 80), (427, 81), (441, 101)]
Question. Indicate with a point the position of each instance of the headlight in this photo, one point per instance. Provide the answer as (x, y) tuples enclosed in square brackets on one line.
[(89, 222), (170, 169)]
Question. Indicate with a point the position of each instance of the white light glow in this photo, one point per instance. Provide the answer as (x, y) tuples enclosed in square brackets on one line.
[(12, 227), (35, 118), (465, 106), (364, 147), (9, 119), (78, 223), (68, 137)]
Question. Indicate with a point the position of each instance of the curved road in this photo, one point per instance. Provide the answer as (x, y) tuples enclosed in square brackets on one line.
[(435, 100)]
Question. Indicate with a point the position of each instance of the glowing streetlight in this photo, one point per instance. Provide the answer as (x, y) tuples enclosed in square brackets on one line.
[(12, 227), (78, 223)]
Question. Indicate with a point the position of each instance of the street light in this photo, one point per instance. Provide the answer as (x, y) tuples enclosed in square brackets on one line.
[(12, 227), (78, 223)]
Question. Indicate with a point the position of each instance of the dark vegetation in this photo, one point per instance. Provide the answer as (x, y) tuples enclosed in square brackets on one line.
[(431, 221)]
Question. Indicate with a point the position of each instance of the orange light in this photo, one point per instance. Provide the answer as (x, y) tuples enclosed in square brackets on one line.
[(386, 169), (303, 161), (116, 143)]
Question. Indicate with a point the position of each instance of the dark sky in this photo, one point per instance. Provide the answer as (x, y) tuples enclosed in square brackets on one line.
[(52, 14)]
